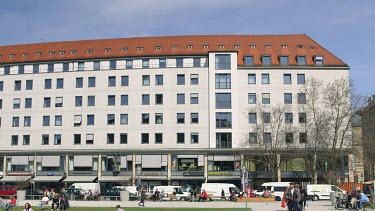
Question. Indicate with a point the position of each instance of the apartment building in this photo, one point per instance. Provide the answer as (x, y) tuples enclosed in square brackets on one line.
[(149, 110)]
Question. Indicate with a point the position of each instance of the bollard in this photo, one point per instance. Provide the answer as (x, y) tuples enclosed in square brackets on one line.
[(246, 204)]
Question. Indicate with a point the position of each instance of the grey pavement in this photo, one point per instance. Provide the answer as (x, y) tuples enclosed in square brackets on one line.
[(322, 205)]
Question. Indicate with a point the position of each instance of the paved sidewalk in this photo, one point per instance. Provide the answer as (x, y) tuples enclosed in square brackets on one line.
[(256, 206)]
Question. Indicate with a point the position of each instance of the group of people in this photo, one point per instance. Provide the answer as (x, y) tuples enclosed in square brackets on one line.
[(355, 200), (295, 197), (58, 200), (11, 203)]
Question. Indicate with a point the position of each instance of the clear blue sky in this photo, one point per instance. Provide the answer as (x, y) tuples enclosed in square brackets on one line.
[(346, 28)]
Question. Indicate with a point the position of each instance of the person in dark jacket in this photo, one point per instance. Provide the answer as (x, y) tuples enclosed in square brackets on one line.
[(223, 194), (302, 203), (294, 197), (143, 197)]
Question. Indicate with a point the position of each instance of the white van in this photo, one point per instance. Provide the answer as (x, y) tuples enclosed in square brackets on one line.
[(181, 194), (321, 191), (275, 188), (94, 187), (215, 189)]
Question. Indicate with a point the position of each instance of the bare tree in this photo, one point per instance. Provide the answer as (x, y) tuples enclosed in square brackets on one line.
[(22, 182)]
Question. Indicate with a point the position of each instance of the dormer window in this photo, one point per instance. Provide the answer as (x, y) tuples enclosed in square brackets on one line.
[(11, 55), (221, 46), (124, 49), (24, 55), (283, 59), (89, 51), (174, 47), (158, 48), (107, 50), (139, 48), (266, 60), (236, 46), (299, 46), (249, 60), (284, 46), (52, 53), (190, 47), (253, 46), (318, 59), (73, 52), (62, 52), (301, 60), (38, 54), (205, 46), (268, 46)]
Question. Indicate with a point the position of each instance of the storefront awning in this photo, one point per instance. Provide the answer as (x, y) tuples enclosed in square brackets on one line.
[(114, 178), (14, 178), (224, 178), (152, 177), (186, 178), (80, 178), (47, 178)]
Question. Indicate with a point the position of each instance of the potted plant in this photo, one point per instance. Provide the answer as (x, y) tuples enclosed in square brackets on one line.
[(22, 183)]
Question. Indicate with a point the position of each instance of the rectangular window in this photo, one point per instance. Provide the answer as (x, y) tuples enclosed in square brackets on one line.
[(21, 69), (91, 82), (124, 80), (253, 138), (222, 62), (301, 98), (287, 79), (45, 139), (289, 139), (158, 99), (110, 138), (110, 119), (14, 140), (146, 118), (28, 102), (90, 139), (179, 62), (266, 117), (288, 98), (265, 78), (124, 100), (180, 79), (249, 60), (1, 86), (65, 67), (48, 84), (47, 102), (302, 138), (29, 84), (145, 99), (223, 100), (300, 78), (6, 70), (58, 120), (90, 100), (267, 138), (252, 98), (26, 139), (78, 101), (194, 98), (159, 80), (196, 62), (129, 64), (57, 139), (194, 138), (90, 119), (302, 117), (113, 64), (266, 60), (266, 98), (194, 118), (180, 138), (36, 68), (123, 138), (50, 67), (17, 85), (60, 83), (180, 99), (222, 81), (123, 119), (301, 60), (252, 118), (223, 140), (27, 121), (180, 118), (251, 78), (158, 138), (162, 63), (81, 66), (79, 82), (145, 80), (145, 63), (194, 79), (77, 120), (288, 118), (318, 60), (16, 122), (77, 138), (16, 103), (145, 138), (111, 100), (284, 60), (223, 120), (1, 105), (97, 65), (111, 81), (159, 118), (59, 102), (46, 120)]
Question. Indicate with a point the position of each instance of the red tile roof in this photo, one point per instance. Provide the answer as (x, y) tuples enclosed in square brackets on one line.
[(148, 44)]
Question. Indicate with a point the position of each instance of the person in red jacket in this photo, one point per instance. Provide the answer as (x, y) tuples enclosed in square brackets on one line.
[(203, 196), (11, 203)]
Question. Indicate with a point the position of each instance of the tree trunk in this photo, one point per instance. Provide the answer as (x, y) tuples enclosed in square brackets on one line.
[(278, 168)]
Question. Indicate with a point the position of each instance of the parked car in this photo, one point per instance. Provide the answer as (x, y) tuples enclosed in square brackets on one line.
[(34, 192), (112, 192)]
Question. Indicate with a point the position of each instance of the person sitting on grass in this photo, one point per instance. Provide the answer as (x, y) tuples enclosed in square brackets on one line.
[(11, 203), (44, 202), (118, 208), (203, 196), (55, 201), (28, 207)]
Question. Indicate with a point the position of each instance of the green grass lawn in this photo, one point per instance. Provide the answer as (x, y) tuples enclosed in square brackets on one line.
[(150, 209)]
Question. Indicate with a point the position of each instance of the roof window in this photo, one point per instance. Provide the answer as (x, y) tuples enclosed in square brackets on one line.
[(284, 46), (312, 47), (73, 52), (221, 46), (236, 46), (52, 53), (268, 46), (124, 49), (89, 51), (107, 50), (24, 55), (174, 47), (318, 60), (253, 46), (301, 60), (190, 46), (11, 55), (205, 46), (158, 48), (38, 54), (62, 52), (139, 48), (299, 46)]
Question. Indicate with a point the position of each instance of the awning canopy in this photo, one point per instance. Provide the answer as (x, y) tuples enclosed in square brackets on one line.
[(47, 178), (152, 177), (14, 178), (224, 178), (114, 178), (187, 178), (80, 178)]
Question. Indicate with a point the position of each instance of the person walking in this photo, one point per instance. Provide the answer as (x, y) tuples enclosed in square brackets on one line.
[(294, 197), (223, 195), (303, 193), (143, 197)]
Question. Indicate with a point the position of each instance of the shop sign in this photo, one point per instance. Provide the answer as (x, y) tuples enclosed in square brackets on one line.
[(13, 173), (50, 173), (192, 173), (151, 174), (218, 173)]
